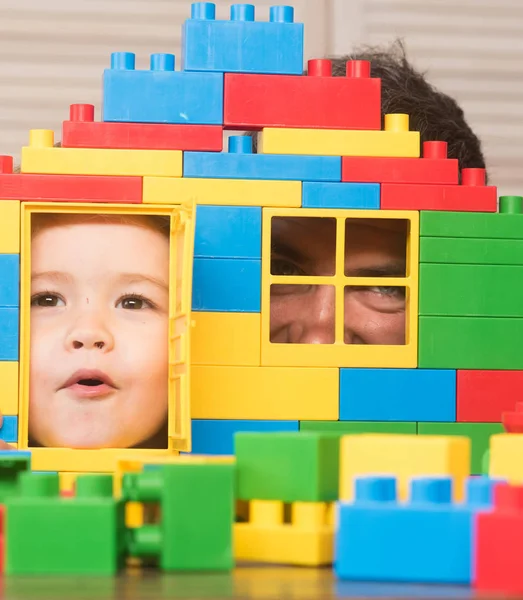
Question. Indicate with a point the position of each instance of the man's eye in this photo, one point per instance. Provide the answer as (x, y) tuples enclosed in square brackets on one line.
[(280, 266), (135, 302), (47, 300), (392, 291)]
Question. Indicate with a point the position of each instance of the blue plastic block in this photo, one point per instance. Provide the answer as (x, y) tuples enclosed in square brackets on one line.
[(428, 540), (242, 44), (341, 195), (226, 285), (217, 436), (9, 327), (228, 232), (161, 95), (397, 395), (240, 163), (9, 429), (10, 280)]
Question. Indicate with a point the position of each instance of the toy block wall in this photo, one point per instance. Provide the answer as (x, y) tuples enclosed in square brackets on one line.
[(322, 154)]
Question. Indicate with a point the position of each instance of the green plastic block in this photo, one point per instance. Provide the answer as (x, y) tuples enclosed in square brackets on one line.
[(12, 464), (345, 427), (287, 466), (471, 225), (47, 534), (470, 343), (479, 434), (471, 290), (470, 251), (197, 505)]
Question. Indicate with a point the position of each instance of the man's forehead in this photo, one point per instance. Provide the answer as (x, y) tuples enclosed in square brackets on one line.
[(328, 223)]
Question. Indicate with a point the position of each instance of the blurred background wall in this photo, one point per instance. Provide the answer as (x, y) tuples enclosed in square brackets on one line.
[(53, 52)]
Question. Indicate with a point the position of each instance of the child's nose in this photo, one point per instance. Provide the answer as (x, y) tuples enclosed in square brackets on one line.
[(89, 336)]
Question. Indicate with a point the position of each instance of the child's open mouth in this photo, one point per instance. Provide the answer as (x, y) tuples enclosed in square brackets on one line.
[(89, 384)]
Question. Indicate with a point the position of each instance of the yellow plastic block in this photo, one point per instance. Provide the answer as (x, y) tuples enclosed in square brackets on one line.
[(226, 338), (340, 354), (41, 157), (395, 141), (9, 387), (225, 192), (308, 539), (134, 514), (264, 393), (404, 456), (9, 226), (506, 457)]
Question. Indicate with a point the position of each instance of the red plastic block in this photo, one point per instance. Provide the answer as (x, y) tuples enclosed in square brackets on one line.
[(315, 100), (67, 188), (471, 195), (433, 168), (513, 420), (482, 396), (499, 543), (83, 132)]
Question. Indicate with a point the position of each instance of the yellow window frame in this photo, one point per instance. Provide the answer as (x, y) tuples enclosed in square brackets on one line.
[(340, 354)]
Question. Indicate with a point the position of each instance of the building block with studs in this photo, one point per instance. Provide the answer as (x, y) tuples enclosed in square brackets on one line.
[(351, 102), (427, 540), (56, 188), (459, 343), (345, 427), (216, 436), (290, 467), (471, 195), (9, 386), (272, 393), (242, 44), (190, 536), (12, 464), (470, 290), (341, 195), (41, 157), (506, 457), (228, 232), (240, 163), (512, 420), (404, 457), (470, 251), (499, 543), (479, 434), (397, 395), (161, 94), (9, 280), (482, 396), (48, 535), (433, 168), (82, 131), (9, 429), (226, 285), (395, 140), (9, 333)]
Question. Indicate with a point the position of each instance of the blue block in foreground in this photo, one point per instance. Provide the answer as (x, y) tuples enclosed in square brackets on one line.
[(9, 429), (341, 195)]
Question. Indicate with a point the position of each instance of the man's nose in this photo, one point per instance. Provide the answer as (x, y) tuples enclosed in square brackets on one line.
[(315, 324), (90, 332)]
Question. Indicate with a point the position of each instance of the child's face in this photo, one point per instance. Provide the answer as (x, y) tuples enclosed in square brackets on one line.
[(305, 314), (99, 333)]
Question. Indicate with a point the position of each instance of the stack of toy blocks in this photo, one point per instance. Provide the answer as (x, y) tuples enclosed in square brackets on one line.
[(289, 482)]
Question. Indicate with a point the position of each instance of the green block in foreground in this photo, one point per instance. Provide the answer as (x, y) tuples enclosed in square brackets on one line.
[(470, 251), (49, 535), (346, 427), (12, 464), (479, 434), (471, 290), (197, 506), (470, 343), (471, 225), (292, 467)]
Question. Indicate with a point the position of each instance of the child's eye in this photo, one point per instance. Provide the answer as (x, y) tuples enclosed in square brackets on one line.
[(134, 302), (47, 300), (282, 266)]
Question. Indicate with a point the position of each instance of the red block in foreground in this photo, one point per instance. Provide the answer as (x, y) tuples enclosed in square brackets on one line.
[(498, 543), (67, 188), (316, 100), (83, 132), (471, 195), (434, 167), (482, 396)]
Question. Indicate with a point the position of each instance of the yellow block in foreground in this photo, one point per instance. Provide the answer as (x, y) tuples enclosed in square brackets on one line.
[(9, 387), (9, 226), (506, 457), (404, 456), (290, 393), (395, 141), (226, 338), (222, 192), (41, 157)]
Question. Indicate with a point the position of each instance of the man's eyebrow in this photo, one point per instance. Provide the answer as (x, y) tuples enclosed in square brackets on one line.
[(130, 278), (279, 247), (395, 269), (59, 276)]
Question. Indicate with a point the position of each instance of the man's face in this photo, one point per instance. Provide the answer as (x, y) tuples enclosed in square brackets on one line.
[(305, 314), (99, 334)]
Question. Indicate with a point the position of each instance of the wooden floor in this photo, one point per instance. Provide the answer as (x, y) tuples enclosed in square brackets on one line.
[(244, 582)]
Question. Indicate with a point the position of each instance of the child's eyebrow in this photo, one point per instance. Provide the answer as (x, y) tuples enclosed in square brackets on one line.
[(130, 278), (53, 275)]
